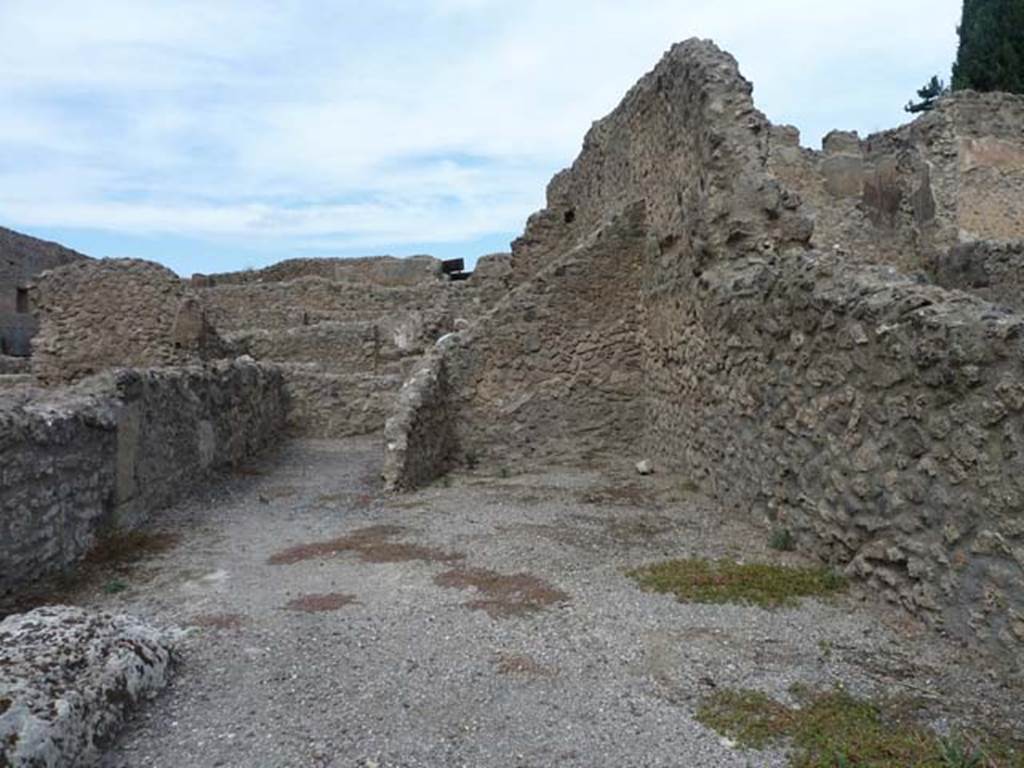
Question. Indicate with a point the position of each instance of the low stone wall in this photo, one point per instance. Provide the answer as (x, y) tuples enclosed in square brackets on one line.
[(879, 419), (420, 440), (992, 270), (77, 462)]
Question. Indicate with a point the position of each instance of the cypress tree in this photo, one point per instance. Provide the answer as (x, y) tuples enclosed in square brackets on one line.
[(991, 52)]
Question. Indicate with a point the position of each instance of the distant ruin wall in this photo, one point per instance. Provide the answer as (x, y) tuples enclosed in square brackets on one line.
[(906, 196), (312, 300), (22, 258), (325, 404), (77, 463), (992, 270), (374, 270), (96, 315)]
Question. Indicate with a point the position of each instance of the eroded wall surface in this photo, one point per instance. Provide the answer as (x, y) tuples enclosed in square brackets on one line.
[(77, 463), (877, 418), (555, 368)]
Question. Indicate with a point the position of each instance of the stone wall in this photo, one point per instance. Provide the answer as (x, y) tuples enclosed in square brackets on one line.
[(312, 300), (420, 440), (907, 196), (687, 140), (877, 417), (21, 259), (110, 451), (993, 270), (554, 369), (96, 315), (346, 333)]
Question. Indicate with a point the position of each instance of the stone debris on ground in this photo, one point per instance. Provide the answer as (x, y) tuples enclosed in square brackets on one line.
[(69, 677)]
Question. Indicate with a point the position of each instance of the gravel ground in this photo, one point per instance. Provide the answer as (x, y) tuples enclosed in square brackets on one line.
[(482, 622)]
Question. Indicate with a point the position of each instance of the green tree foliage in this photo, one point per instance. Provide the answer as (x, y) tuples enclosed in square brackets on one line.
[(991, 53), (931, 92)]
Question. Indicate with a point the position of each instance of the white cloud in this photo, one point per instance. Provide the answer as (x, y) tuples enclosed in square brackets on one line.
[(388, 123)]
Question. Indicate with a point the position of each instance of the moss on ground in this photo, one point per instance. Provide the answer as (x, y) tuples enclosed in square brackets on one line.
[(837, 730), (723, 581)]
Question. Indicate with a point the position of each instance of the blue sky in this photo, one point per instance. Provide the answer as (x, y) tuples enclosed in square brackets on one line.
[(217, 135)]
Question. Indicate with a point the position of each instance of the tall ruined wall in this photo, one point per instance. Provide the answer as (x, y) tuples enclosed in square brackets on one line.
[(675, 178), (687, 140), (76, 463), (907, 196), (21, 259), (96, 315), (877, 417)]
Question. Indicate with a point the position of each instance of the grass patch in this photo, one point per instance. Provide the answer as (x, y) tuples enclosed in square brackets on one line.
[(835, 729), (723, 581)]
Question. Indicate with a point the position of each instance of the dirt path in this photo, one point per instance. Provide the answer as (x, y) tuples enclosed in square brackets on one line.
[(488, 622)]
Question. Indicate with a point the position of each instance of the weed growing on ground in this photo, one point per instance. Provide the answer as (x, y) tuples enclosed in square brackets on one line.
[(834, 729), (115, 587), (783, 540), (724, 581)]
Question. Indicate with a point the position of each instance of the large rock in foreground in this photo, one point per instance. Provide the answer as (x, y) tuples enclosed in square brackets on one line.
[(68, 678)]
